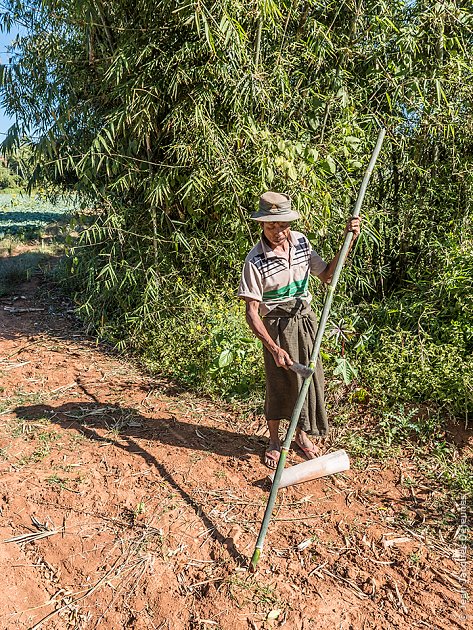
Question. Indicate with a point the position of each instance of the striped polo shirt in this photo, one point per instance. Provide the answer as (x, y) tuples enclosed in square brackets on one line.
[(273, 279)]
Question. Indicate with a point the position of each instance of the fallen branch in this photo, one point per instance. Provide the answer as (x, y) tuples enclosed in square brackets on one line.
[(14, 366), (401, 601), (63, 387), (34, 536), (13, 309)]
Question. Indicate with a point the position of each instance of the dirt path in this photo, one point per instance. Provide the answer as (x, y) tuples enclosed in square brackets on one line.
[(140, 504)]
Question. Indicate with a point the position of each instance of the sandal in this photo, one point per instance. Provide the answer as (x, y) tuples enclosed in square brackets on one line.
[(310, 452), (271, 458)]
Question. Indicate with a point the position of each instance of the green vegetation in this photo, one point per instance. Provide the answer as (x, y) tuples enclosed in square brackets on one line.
[(14, 169), (419, 434), (173, 132), (8, 181), (26, 217), (216, 350)]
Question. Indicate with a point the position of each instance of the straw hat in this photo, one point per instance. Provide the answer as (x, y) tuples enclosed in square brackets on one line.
[(275, 206)]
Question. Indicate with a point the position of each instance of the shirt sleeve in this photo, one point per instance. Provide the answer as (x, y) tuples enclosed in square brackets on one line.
[(251, 284), (317, 264)]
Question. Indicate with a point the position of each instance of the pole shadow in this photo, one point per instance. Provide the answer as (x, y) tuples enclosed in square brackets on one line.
[(91, 417)]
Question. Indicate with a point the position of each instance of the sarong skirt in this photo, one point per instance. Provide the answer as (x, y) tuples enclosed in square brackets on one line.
[(293, 325)]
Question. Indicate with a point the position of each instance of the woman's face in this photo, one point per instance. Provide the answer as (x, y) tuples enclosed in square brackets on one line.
[(276, 232)]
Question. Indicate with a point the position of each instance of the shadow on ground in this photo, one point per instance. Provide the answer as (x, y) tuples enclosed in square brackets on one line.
[(123, 426)]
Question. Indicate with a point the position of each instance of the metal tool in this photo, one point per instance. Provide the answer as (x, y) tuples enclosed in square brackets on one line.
[(302, 370)]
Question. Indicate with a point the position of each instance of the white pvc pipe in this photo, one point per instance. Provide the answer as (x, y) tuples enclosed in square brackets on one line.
[(314, 468)]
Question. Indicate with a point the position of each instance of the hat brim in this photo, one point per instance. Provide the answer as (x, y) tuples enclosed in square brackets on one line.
[(263, 215)]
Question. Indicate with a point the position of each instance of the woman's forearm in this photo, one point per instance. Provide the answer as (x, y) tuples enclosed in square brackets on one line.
[(280, 356), (255, 322), (353, 225)]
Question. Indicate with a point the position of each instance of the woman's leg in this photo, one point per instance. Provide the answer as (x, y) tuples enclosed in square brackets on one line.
[(310, 450), (272, 453)]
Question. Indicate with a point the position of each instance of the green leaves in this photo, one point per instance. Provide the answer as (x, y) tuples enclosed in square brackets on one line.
[(225, 358), (170, 133), (345, 369), (329, 165)]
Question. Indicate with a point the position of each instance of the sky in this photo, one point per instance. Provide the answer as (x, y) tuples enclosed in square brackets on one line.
[(5, 40)]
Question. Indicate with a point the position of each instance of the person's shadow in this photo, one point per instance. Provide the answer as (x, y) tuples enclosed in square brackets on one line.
[(127, 424)]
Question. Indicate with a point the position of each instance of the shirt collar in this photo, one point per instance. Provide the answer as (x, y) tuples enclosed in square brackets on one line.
[(269, 253)]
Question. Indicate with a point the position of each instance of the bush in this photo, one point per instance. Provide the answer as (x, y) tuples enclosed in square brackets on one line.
[(209, 346), (8, 180), (420, 341), (404, 367)]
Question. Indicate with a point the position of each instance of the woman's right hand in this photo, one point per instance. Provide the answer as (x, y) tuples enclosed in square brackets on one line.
[(281, 358)]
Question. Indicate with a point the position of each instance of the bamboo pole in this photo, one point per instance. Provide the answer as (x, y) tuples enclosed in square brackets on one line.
[(313, 358)]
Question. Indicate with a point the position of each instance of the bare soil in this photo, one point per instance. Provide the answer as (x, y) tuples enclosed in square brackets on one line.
[(138, 506)]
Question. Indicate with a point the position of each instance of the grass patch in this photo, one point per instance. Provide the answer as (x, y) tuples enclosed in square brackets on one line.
[(400, 429), (42, 449), (29, 428), (39, 453), (61, 482), (419, 436), (446, 467), (245, 591), (15, 270), (54, 480)]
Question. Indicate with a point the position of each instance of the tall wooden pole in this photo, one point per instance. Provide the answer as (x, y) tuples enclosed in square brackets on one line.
[(313, 358)]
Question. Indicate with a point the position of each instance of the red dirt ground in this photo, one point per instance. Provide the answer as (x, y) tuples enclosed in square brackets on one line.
[(150, 501)]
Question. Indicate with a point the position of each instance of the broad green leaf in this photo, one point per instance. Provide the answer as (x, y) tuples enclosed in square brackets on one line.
[(345, 369), (225, 358), (329, 165), (291, 171), (351, 140)]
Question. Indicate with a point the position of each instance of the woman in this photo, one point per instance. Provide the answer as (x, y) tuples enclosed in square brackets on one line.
[(274, 284)]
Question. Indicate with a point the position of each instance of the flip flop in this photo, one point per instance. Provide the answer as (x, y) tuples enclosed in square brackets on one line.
[(270, 459), (311, 452)]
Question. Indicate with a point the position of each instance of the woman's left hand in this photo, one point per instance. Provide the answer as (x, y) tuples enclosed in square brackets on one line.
[(354, 226)]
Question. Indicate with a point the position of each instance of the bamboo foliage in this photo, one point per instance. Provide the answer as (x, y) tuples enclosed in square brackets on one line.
[(172, 117)]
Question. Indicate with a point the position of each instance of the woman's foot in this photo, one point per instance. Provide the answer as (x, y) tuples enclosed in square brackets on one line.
[(272, 454), (310, 450)]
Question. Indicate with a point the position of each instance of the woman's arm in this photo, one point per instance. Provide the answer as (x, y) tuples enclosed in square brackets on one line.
[(281, 357), (353, 225)]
